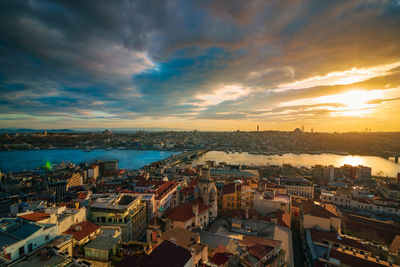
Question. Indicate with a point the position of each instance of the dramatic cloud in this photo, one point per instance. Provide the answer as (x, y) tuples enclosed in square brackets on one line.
[(209, 65)]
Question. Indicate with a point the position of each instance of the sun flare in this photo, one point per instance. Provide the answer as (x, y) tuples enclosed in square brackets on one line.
[(355, 102), (352, 160)]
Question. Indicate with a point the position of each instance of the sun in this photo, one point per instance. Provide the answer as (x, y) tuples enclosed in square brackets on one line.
[(355, 103)]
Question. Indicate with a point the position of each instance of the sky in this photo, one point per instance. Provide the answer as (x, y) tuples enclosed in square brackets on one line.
[(205, 65)]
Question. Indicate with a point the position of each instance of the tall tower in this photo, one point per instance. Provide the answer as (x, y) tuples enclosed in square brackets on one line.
[(208, 192), (258, 128)]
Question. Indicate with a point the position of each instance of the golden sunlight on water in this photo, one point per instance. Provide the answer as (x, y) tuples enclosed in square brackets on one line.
[(352, 160)]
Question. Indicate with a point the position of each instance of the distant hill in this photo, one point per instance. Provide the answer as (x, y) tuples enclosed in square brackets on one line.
[(26, 130), (88, 130)]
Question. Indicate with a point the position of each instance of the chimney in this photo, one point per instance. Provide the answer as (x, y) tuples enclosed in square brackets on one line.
[(247, 213), (78, 228), (173, 240)]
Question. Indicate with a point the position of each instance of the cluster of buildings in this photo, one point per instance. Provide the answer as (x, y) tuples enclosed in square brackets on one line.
[(331, 173), (260, 142), (206, 215)]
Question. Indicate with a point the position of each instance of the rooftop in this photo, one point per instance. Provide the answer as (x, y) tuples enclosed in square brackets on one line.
[(13, 231), (184, 238), (167, 254), (113, 201), (35, 216), (81, 230), (230, 188), (184, 212), (103, 243), (320, 236), (348, 259)]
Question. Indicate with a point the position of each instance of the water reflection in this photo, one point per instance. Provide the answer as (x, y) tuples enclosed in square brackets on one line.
[(378, 165), (352, 160)]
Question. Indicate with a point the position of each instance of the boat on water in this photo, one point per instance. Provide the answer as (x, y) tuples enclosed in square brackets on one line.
[(88, 149), (108, 148)]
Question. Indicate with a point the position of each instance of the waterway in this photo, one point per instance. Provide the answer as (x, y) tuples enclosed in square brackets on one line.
[(378, 165), (19, 160), (135, 159)]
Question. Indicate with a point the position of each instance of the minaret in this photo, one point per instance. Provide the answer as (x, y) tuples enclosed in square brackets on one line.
[(258, 128)]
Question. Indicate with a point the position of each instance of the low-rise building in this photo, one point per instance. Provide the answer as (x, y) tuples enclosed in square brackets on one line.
[(93, 171), (297, 186), (100, 250), (329, 249), (265, 203), (126, 211), (83, 232), (190, 215), (19, 238), (376, 205), (325, 217), (231, 196)]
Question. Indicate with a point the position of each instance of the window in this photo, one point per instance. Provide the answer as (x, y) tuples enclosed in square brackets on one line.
[(120, 220), (21, 251), (30, 248), (109, 220), (103, 219), (47, 237)]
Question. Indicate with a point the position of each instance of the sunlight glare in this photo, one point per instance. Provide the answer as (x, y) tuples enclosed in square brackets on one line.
[(352, 160)]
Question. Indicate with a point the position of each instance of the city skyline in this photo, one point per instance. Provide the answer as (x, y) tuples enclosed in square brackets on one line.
[(210, 65)]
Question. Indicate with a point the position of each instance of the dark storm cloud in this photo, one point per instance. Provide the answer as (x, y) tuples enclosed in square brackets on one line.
[(133, 59)]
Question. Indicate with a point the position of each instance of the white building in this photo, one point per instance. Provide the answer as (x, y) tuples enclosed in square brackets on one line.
[(19, 238), (93, 171), (374, 205)]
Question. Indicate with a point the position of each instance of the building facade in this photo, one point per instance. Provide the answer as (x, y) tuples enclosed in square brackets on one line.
[(125, 211)]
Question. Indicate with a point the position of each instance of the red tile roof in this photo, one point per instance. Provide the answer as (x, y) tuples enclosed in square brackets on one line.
[(319, 211), (284, 219), (370, 228), (35, 216), (230, 188), (239, 213), (306, 206), (165, 189), (259, 251), (81, 230), (82, 195), (250, 241), (220, 258), (351, 260), (184, 212), (146, 183)]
